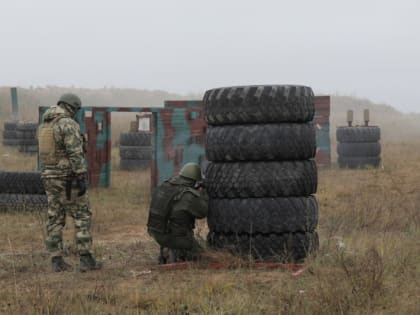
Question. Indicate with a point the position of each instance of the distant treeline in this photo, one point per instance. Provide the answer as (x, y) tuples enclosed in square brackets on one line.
[(31, 98), (396, 126)]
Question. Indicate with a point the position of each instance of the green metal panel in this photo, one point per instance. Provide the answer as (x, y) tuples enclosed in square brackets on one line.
[(15, 106), (178, 138)]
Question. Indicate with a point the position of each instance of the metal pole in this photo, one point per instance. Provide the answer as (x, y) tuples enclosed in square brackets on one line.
[(350, 117), (15, 107), (366, 117)]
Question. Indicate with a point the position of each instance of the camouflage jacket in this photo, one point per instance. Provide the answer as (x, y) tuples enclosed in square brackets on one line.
[(69, 144), (190, 205)]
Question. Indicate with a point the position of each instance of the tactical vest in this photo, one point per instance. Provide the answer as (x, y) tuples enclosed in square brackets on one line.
[(48, 152), (161, 206)]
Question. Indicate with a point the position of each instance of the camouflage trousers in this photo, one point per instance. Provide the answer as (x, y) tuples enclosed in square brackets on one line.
[(58, 207)]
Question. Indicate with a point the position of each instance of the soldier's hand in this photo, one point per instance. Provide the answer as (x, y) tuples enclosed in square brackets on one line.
[(81, 181)]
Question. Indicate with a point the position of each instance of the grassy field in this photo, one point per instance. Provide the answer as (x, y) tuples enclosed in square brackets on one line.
[(368, 263)]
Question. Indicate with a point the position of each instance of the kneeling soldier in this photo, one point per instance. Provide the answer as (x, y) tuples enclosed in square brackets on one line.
[(175, 205)]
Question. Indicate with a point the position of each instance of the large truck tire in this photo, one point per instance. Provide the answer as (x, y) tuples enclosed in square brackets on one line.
[(259, 104), (263, 215), (359, 149), (358, 134), (21, 183), (261, 142), (285, 247), (261, 179), (137, 153), (138, 138)]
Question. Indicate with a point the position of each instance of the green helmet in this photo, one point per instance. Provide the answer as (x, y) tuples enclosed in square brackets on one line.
[(72, 100), (192, 171)]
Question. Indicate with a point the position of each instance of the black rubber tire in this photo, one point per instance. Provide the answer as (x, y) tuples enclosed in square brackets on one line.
[(261, 179), (25, 134), (129, 165), (26, 142), (259, 104), (9, 134), (361, 149), (10, 125), (139, 138), (11, 142), (260, 142), (359, 162), (21, 183), (28, 148), (136, 153), (263, 215), (27, 126), (16, 202), (285, 247), (358, 134)]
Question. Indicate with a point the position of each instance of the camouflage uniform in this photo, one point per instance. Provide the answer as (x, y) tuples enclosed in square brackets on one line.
[(187, 204), (62, 163)]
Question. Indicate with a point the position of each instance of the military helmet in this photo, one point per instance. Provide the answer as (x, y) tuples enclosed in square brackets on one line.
[(72, 100), (191, 170)]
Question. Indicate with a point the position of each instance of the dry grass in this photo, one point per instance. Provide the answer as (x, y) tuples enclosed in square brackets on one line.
[(368, 262)]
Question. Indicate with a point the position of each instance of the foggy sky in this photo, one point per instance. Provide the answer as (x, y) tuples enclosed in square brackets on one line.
[(364, 48)]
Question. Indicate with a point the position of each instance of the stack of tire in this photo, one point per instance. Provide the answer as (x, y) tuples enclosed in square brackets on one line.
[(359, 147), (26, 135), (135, 150), (260, 142), (9, 134), (21, 191)]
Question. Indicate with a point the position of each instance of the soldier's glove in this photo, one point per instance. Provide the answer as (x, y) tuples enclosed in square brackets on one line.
[(81, 181), (200, 184)]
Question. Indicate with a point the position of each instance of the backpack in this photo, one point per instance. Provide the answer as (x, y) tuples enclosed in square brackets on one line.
[(161, 206)]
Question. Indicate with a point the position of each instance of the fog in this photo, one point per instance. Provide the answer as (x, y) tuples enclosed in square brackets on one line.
[(368, 49)]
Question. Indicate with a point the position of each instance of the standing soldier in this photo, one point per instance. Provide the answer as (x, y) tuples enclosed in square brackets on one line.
[(175, 205), (64, 174)]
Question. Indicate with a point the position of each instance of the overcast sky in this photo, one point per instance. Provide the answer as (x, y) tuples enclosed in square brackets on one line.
[(364, 48)]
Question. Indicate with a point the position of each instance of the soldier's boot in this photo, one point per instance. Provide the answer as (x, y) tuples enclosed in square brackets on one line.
[(172, 256), (59, 265), (88, 262), (163, 256)]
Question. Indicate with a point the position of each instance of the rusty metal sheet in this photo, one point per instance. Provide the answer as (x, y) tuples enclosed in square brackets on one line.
[(322, 127)]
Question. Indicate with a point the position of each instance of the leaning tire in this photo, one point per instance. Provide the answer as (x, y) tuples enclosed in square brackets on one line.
[(261, 179), (358, 134), (260, 142), (135, 138), (21, 203), (259, 104), (21, 183), (137, 153), (263, 215), (285, 248), (360, 149)]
